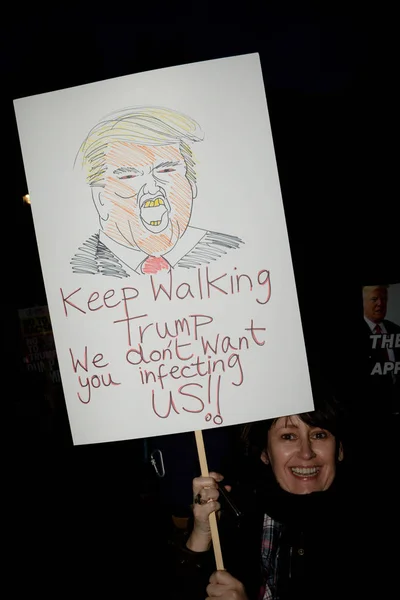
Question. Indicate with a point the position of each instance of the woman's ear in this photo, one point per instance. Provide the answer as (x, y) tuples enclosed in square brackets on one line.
[(264, 457), (341, 452)]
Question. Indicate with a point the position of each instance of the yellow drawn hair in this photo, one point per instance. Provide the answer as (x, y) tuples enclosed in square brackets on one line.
[(147, 126)]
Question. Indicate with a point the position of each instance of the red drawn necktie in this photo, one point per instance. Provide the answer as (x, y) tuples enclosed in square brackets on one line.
[(155, 264)]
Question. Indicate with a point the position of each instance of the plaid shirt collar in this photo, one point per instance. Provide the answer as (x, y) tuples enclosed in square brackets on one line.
[(272, 531)]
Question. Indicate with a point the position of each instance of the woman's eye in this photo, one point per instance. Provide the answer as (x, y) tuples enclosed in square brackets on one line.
[(131, 176), (288, 436), (166, 171), (320, 435)]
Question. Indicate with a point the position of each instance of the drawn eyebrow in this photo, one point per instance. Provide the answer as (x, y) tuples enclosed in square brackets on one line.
[(122, 170), (168, 163)]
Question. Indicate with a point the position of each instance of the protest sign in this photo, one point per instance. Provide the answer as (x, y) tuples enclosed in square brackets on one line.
[(164, 250)]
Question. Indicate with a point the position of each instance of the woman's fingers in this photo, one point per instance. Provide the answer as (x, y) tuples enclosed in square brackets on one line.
[(207, 494), (212, 481), (223, 585), (217, 476), (201, 512), (199, 483)]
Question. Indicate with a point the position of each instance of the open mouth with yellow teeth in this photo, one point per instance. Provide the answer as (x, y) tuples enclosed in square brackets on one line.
[(154, 213)]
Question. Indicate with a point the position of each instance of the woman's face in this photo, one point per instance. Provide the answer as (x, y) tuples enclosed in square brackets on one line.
[(302, 457)]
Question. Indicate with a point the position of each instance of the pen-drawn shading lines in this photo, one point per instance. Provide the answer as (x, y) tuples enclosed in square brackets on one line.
[(94, 257), (210, 248), (128, 164)]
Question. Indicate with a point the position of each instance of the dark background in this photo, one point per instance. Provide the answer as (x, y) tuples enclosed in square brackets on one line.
[(330, 79)]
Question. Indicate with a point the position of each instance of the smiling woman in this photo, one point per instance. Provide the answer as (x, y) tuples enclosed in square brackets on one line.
[(302, 456), (288, 541)]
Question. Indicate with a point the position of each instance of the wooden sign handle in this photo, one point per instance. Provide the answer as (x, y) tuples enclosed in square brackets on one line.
[(213, 519)]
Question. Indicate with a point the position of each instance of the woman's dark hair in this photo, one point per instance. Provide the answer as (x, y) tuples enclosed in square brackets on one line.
[(328, 414)]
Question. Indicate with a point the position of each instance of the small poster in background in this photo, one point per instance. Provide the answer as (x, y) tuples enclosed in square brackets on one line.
[(381, 304), (39, 352), (163, 244)]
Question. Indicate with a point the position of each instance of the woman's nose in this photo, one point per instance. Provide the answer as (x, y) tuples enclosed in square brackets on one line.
[(306, 451)]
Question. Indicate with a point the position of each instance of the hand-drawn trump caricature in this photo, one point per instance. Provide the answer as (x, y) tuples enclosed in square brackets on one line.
[(141, 170)]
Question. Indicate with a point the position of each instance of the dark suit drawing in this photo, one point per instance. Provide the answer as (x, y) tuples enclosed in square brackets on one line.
[(94, 257)]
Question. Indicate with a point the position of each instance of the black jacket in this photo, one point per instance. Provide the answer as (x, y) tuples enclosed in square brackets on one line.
[(317, 555)]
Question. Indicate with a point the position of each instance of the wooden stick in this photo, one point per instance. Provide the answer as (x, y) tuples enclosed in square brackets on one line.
[(213, 519)]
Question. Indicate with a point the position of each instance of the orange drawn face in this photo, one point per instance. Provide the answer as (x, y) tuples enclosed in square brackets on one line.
[(147, 196)]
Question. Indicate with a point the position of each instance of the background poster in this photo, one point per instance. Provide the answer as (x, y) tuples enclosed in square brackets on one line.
[(381, 304), (38, 342), (205, 333)]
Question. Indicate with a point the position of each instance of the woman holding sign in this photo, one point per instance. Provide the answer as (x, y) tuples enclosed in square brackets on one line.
[(283, 526)]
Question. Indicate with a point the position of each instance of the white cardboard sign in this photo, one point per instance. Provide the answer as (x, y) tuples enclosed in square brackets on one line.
[(165, 256)]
